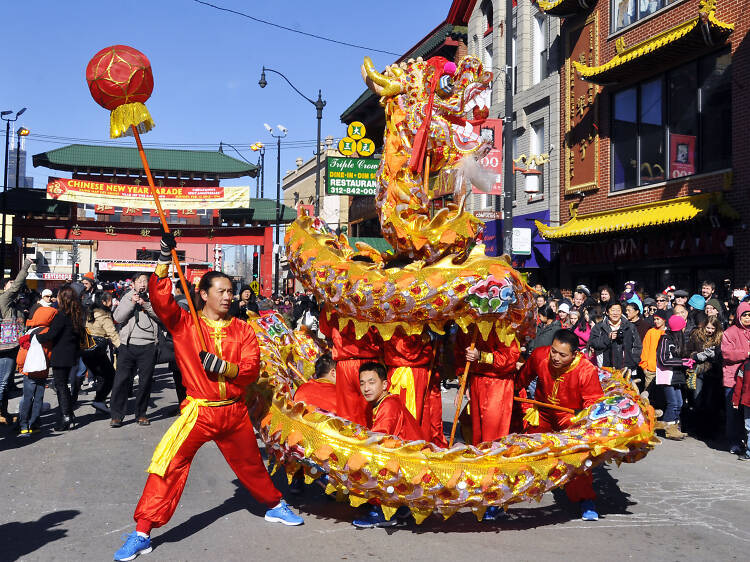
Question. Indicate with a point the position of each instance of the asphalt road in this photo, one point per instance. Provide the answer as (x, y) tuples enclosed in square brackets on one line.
[(70, 496)]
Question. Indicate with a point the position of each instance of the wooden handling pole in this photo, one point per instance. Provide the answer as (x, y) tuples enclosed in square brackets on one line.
[(544, 405), (462, 389), (165, 226)]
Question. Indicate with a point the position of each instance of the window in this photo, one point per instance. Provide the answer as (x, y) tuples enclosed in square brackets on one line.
[(677, 124), (625, 12), (539, 70), (534, 183)]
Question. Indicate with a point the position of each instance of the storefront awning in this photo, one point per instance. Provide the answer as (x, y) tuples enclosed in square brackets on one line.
[(671, 211), (565, 8), (681, 43)]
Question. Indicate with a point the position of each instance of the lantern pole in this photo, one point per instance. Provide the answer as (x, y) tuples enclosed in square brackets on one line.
[(165, 226)]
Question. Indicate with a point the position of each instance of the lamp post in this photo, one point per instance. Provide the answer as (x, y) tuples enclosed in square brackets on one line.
[(278, 199), (319, 105), (8, 121), (21, 132), (260, 147)]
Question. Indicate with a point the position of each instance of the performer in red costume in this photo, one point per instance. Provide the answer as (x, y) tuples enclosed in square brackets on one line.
[(564, 378), (492, 372), (408, 359), (213, 411), (389, 416), (349, 353), (320, 392)]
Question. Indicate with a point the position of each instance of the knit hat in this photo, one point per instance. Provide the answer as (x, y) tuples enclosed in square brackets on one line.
[(564, 307), (676, 323), (668, 290), (681, 293), (648, 301), (637, 302), (90, 276), (697, 302), (47, 293), (715, 303), (663, 314)]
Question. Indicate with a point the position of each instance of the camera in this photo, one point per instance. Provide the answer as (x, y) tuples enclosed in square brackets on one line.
[(143, 294), (620, 335)]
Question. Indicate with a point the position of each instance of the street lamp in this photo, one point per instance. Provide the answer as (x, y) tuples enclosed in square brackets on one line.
[(260, 147), (319, 105), (278, 138), (8, 121), (21, 132)]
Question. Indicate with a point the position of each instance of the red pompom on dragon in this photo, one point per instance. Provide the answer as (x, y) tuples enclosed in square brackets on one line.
[(438, 274)]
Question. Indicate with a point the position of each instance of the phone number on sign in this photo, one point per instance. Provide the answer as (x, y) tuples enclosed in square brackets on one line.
[(352, 191)]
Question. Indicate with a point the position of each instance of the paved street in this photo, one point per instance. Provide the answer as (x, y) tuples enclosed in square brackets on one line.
[(71, 496)]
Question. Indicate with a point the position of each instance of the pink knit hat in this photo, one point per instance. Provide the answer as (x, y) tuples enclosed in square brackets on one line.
[(676, 323)]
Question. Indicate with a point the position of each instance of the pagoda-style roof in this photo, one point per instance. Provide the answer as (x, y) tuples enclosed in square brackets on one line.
[(680, 43), (79, 157), (261, 210), (565, 8)]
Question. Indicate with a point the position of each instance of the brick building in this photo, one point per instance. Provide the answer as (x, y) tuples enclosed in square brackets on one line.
[(654, 160)]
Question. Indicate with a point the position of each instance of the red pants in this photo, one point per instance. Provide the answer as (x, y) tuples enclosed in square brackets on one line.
[(491, 407), (350, 404), (432, 417), (582, 486), (229, 426), (420, 375)]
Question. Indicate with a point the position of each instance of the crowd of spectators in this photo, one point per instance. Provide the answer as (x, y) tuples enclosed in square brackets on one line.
[(686, 350)]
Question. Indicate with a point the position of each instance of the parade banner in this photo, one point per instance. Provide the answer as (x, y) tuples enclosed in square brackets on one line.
[(351, 176), (139, 196)]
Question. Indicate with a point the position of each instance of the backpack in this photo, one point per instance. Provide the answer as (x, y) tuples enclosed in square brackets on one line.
[(10, 330)]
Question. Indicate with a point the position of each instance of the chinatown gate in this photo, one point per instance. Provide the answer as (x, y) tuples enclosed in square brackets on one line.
[(117, 239)]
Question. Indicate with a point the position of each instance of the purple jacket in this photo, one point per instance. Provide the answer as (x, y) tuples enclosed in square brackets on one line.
[(735, 346)]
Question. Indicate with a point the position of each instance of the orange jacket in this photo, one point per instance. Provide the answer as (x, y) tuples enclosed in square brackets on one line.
[(648, 354), (42, 317)]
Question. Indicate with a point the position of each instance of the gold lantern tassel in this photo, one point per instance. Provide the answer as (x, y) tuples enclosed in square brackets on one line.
[(127, 115)]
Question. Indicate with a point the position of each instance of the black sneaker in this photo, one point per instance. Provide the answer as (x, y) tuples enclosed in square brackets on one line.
[(114, 422), (744, 457)]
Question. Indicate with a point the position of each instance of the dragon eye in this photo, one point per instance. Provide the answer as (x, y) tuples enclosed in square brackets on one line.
[(445, 86)]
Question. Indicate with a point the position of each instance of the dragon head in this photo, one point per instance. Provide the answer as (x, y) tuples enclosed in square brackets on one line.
[(435, 103)]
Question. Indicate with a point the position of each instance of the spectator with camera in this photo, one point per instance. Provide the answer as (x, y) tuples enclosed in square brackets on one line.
[(98, 360), (616, 340), (139, 335)]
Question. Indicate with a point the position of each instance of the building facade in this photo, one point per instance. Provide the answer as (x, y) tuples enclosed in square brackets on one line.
[(654, 164), (535, 62)]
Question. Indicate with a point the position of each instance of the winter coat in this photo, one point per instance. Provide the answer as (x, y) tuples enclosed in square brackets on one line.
[(544, 335), (650, 345), (735, 346), (711, 367), (137, 327), (617, 355), (65, 341), (667, 358), (7, 310), (103, 326), (741, 393), (583, 333), (38, 324)]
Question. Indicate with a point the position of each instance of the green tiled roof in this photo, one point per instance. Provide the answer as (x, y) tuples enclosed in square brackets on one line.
[(29, 201), (81, 156), (261, 210)]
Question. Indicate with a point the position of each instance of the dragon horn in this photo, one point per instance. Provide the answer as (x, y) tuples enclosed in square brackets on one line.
[(382, 85)]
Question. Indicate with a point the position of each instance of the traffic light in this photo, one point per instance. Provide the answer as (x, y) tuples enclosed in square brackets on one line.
[(256, 265), (78, 272)]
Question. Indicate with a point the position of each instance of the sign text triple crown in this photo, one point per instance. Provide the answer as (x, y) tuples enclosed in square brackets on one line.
[(355, 141)]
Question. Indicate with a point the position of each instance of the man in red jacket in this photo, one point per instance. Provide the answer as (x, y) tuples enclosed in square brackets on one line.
[(389, 416), (320, 392), (564, 378), (216, 381), (492, 371), (349, 353)]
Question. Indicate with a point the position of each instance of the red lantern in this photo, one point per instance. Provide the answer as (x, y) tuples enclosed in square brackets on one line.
[(120, 80)]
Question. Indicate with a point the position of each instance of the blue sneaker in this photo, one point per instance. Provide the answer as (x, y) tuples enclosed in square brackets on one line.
[(588, 511), (282, 513), (134, 545), (374, 518)]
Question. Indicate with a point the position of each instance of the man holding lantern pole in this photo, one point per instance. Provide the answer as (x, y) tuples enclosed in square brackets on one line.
[(216, 379)]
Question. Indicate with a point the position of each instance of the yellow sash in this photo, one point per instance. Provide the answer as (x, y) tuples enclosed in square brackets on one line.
[(403, 377), (175, 436)]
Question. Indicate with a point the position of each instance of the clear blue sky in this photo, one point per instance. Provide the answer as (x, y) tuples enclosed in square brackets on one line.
[(206, 65)]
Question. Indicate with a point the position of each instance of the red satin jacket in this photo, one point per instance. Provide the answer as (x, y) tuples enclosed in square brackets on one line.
[(391, 416), (505, 357), (232, 340), (408, 351), (319, 393), (345, 343)]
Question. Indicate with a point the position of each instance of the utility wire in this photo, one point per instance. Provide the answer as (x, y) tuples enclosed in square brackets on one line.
[(313, 35)]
